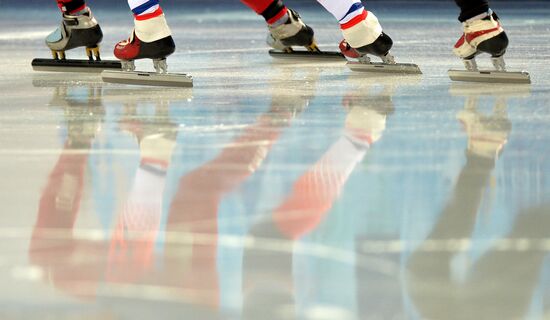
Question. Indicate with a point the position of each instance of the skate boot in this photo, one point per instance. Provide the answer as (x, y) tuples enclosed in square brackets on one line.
[(151, 39), (295, 33), (366, 39), (75, 31), (484, 34)]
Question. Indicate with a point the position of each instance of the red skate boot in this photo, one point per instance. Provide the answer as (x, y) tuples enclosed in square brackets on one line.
[(151, 39)]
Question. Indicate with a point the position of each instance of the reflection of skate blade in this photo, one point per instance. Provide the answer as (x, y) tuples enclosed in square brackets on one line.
[(502, 90), (148, 78), (74, 65), (490, 76), (402, 68), (388, 79), (304, 56), (52, 80), (126, 94)]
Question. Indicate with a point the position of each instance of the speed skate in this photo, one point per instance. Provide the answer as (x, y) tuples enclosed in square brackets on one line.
[(160, 77), (152, 40), (75, 31), (485, 34), (379, 48)]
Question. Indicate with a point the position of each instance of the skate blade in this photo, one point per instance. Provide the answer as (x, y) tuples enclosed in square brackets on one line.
[(303, 56), (53, 65), (400, 68), (148, 78), (490, 76)]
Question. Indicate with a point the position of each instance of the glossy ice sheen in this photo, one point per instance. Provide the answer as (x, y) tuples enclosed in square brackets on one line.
[(273, 190)]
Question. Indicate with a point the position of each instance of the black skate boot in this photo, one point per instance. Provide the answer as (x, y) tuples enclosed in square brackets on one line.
[(75, 31), (295, 33)]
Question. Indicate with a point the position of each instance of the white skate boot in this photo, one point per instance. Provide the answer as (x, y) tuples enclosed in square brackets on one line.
[(484, 34), (367, 38), (75, 31)]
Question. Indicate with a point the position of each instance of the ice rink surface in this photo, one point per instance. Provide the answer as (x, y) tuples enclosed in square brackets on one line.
[(275, 191)]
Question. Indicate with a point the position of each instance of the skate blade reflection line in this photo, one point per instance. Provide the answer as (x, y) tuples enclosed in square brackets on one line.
[(520, 77), (73, 65), (403, 68), (503, 90), (148, 78)]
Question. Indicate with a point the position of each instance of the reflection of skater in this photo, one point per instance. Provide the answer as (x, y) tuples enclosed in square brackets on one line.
[(61, 200), (268, 280), (499, 284), (361, 29)]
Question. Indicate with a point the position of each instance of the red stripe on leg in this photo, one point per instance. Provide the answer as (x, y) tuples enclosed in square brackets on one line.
[(78, 9), (148, 16), (278, 16), (355, 20), (258, 5)]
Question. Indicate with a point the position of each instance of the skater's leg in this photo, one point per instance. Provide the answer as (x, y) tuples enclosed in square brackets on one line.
[(273, 11), (360, 27), (471, 8), (286, 28), (482, 31), (151, 39), (149, 20)]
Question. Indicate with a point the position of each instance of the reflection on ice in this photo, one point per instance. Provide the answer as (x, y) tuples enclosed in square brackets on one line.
[(275, 191)]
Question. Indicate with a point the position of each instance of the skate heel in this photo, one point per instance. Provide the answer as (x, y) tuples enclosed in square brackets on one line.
[(498, 63), (159, 49), (89, 38), (313, 47), (160, 65), (58, 55), (470, 64), (495, 46), (128, 65), (93, 52), (380, 47)]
